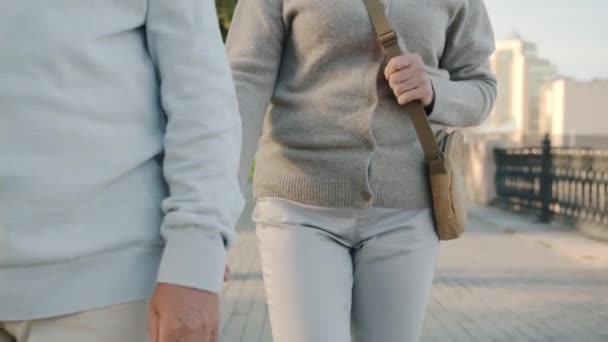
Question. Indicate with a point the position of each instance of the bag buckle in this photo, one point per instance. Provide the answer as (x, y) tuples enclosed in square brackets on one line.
[(437, 165), (388, 39)]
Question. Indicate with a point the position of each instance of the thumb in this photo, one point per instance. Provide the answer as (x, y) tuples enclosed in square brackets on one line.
[(153, 326), (214, 336)]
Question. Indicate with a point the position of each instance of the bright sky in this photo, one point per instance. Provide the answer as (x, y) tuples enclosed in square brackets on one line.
[(573, 34)]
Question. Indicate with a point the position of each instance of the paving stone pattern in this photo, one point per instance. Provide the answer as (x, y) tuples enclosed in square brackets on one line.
[(491, 285)]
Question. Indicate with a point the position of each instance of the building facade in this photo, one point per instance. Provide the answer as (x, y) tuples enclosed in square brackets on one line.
[(575, 112), (521, 74)]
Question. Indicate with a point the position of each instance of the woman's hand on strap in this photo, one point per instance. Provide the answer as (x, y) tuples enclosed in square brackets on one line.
[(409, 80)]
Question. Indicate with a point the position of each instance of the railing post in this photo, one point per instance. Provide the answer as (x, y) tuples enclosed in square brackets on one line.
[(498, 188), (546, 181)]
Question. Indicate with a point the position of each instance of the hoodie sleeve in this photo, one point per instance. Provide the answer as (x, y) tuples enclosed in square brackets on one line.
[(202, 141)]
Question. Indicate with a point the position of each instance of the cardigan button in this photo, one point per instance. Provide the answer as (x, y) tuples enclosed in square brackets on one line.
[(371, 100), (366, 195)]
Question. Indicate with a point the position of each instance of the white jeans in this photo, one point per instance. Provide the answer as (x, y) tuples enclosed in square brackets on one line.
[(116, 323), (340, 275)]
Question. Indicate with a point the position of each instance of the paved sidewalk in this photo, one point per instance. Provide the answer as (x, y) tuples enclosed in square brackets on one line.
[(507, 280)]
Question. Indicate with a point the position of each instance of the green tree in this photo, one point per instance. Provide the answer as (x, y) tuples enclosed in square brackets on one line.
[(225, 9)]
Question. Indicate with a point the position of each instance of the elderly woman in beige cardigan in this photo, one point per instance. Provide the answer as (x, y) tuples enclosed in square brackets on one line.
[(342, 202)]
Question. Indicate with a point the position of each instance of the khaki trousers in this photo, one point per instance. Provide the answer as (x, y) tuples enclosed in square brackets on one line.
[(118, 323)]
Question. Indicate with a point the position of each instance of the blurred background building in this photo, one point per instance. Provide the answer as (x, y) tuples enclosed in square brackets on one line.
[(571, 111), (534, 100), (521, 74)]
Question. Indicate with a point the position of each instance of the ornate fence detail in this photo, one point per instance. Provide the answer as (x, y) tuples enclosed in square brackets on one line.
[(555, 182)]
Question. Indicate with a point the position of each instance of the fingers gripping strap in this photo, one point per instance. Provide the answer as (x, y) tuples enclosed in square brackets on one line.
[(389, 41)]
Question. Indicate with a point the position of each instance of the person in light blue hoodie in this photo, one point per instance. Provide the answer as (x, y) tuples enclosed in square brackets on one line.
[(119, 148)]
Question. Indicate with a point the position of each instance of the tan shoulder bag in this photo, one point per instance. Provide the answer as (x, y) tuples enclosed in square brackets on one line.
[(444, 152)]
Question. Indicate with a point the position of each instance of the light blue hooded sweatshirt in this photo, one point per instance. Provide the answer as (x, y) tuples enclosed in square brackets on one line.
[(119, 149)]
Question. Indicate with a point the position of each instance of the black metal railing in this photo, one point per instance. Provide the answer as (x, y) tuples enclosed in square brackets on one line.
[(554, 182)]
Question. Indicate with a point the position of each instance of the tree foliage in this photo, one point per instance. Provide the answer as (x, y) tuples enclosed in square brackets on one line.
[(225, 9)]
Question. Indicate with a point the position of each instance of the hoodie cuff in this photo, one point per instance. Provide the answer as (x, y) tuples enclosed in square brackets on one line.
[(193, 259)]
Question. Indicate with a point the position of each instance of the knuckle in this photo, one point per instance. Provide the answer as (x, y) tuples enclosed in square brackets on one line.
[(402, 89), (170, 331), (192, 326), (173, 327), (392, 80), (396, 85), (183, 326)]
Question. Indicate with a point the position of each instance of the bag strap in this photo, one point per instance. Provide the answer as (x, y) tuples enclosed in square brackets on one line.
[(389, 41)]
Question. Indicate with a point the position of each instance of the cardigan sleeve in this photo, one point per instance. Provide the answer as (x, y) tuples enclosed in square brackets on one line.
[(254, 44), (467, 96)]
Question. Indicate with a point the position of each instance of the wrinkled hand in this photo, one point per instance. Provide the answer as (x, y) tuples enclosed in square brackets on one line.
[(409, 80), (183, 314)]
